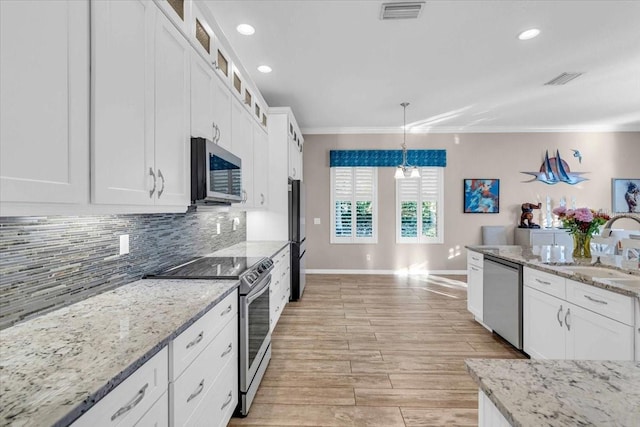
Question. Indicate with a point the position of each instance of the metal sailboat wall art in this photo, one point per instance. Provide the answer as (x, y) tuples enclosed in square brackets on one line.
[(554, 170)]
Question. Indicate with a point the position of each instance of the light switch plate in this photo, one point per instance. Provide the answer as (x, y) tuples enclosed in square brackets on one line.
[(124, 244), (316, 221)]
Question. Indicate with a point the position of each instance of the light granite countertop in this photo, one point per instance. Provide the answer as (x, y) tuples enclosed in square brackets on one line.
[(561, 393), (253, 249), (55, 367), (553, 259)]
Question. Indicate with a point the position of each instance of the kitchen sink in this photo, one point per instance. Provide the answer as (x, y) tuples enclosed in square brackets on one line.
[(599, 272)]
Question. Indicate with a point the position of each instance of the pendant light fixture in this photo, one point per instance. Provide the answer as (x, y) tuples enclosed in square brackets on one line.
[(405, 170)]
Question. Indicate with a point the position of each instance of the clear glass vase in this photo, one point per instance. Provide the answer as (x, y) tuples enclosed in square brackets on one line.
[(581, 245)]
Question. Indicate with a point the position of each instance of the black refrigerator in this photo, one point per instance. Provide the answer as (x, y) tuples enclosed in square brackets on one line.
[(297, 237)]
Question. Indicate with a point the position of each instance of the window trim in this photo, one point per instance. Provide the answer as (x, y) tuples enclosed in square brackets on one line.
[(420, 239), (353, 239)]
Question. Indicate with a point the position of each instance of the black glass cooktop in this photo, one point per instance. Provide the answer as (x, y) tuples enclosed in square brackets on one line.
[(210, 268)]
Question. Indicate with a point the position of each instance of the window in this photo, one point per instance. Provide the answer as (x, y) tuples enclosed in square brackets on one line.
[(354, 206), (419, 205)]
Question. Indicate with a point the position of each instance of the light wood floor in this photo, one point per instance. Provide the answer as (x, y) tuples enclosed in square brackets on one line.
[(374, 351)]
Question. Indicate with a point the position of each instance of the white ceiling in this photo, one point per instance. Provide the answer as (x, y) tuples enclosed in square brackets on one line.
[(460, 65)]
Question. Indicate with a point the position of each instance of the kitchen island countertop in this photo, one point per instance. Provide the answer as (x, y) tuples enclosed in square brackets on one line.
[(561, 392), (56, 366)]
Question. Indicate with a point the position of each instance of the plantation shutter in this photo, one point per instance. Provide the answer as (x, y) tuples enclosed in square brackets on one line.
[(419, 207), (354, 210)]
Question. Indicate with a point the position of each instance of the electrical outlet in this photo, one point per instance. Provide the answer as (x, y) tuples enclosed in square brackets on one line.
[(218, 228), (368, 257), (235, 223), (316, 221), (124, 244)]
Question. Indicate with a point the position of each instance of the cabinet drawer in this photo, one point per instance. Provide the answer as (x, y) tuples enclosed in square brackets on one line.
[(218, 404), (128, 402), (610, 304), (475, 258), (158, 415), (198, 380), (544, 282), (190, 343)]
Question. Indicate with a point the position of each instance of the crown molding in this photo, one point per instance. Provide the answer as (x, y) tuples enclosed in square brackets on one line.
[(462, 129)]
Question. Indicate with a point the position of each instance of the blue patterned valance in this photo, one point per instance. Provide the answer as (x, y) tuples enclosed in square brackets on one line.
[(387, 158)]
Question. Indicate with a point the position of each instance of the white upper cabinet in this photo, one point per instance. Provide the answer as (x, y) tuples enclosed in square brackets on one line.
[(260, 166), (44, 102), (123, 164), (140, 106), (221, 97), (242, 146), (172, 112), (202, 124)]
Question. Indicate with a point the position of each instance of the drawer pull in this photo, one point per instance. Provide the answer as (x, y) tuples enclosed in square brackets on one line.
[(197, 392), (226, 311), (229, 399), (475, 259), (558, 314), (227, 351), (596, 300), (474, 269), (129, 406), (196, 341), (543, 282)]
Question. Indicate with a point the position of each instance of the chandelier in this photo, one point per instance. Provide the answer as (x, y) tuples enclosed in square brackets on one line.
[(405, 170)]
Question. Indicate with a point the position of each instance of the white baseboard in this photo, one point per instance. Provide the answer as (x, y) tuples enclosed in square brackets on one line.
[(386, 272)]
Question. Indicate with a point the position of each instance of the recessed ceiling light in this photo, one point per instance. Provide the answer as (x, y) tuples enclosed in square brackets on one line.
[(529, 34), (264, 69), (245, 29)]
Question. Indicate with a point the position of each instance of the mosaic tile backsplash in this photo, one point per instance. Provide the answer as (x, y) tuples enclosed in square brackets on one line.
[(50, 262)]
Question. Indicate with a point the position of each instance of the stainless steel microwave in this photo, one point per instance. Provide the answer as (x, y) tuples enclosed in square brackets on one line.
[(216, 174)]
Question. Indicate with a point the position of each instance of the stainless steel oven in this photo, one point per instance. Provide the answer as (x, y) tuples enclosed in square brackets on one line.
[(255, 341)]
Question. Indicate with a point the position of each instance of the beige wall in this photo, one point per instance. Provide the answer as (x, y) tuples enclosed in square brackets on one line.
[(502, 156)]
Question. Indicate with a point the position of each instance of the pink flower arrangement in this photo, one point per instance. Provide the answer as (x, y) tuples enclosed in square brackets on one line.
[(581, 220)]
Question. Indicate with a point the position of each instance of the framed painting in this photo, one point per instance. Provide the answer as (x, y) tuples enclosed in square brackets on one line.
[(625, 195), (481, 195)]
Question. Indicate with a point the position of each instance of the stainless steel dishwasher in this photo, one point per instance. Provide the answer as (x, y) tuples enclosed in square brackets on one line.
[(502, 298)]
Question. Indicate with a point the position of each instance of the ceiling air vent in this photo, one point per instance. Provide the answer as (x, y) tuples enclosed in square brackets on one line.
[(562, 79), (403, 10)]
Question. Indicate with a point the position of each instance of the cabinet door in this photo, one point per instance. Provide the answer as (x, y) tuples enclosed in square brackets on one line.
[(260, 166), (158, 415), (637, 330), (542, 238), (122, 101), (565, 239), (242, 146), (591, 336), (474, 291), (44, 82), (221, 98), (294, 168), (543, 325), (172, 122), (202, 124)]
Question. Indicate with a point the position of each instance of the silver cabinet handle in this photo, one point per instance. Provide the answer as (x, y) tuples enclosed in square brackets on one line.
[(245, 196), (294, 171), (261, 199), (229, 399), (543, 282), (474, 269), (596, 300), (566, 319), (153, 190), (129, 406), (475, 259), (197, 392), (227, 351), (160, 176), (558, 314), (218, 134), (215, 65), (196, 341), (226, 311)]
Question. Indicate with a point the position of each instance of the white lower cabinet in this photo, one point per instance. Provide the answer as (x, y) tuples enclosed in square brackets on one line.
[(558, 328), (488, 414), (637, 329), (134, 399), (203, 386), (475, 289), (280, 288), (158, 415)]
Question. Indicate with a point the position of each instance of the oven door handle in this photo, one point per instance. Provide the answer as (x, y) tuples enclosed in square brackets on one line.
[(259, 291)]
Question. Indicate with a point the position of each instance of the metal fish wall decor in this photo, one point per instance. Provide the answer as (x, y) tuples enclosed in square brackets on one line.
[(554, 170)]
